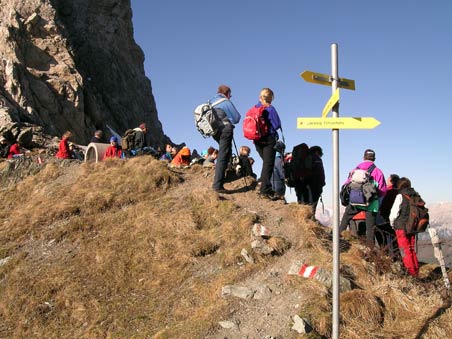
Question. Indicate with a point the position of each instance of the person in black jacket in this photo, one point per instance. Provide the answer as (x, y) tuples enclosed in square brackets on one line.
[(399, 218), (316, 180)]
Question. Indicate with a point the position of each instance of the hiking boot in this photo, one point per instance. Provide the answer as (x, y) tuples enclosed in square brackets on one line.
[(269, 196), (221, 190)]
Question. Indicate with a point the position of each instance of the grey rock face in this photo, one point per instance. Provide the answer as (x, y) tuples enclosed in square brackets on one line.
[(73, 65)]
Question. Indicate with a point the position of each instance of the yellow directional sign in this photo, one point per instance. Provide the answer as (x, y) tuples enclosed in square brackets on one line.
[(330, 103), (324, 79), (337, 123)]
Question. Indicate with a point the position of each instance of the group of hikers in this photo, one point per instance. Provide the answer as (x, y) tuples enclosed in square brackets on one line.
[(369, 196), (391, 210), (395, 202)]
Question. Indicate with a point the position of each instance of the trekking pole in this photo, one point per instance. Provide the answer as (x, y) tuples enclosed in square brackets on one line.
[(282, 135), (323, 206), (237, 152)]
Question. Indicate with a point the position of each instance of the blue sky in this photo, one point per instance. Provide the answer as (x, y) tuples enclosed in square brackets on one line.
[(398, 52)]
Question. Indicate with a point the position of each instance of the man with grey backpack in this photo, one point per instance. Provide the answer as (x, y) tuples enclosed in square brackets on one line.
[(221, 127), (367, 185)]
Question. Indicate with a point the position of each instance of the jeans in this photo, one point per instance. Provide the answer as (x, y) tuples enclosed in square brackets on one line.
[(224, 138)]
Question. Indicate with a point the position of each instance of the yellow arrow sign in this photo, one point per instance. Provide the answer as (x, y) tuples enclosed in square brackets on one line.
[(330, 103), (324, 79), (337, 123)]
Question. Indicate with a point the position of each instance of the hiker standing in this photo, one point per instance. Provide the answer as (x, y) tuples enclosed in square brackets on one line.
[(398, 219), (378, 180), (301, 166), (224, 136), (317, 179), (63, 148), (385, 233), (265, 145)]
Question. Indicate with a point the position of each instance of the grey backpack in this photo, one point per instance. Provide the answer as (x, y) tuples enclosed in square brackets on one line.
[(207, 120)]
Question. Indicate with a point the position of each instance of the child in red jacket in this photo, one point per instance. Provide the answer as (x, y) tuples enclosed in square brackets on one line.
[(114, 150), (63, 147)]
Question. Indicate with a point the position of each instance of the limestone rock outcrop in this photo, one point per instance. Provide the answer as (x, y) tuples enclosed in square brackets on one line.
[(73, 65)]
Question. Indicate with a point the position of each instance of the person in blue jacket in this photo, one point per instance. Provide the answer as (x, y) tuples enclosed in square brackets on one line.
[(230, 116), (265, 146)]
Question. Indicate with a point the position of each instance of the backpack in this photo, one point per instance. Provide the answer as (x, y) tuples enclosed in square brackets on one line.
[(128, 140), (299, 167), (418, 218), (362, 188), (344, 194), (207, 120), (254, 124)]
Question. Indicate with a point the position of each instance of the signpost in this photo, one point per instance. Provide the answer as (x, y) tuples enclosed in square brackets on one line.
[(340, 123), (335, 123), (327, 80), (334, 99)]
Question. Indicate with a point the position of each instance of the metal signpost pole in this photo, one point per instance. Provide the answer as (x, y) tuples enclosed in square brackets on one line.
[(336, 252), (334, 123)]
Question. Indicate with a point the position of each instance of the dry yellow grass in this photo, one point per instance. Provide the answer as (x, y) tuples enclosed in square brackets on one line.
[(133, 250)]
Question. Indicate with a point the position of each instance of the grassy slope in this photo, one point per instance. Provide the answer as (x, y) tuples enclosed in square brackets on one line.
[(132, 250)]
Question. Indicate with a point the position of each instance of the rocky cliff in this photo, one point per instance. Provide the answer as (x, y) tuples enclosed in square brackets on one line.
[(73, 65)]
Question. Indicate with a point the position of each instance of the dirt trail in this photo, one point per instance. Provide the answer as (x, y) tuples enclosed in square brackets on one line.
[(271, 316)]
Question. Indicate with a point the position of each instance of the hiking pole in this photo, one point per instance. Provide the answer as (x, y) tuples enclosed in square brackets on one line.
[(323, 206), (237, 152)]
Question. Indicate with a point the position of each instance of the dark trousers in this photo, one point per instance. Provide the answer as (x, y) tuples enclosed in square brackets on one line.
[(316, 192), (266, 151), (302, 192), (224, 139), (371, 218)]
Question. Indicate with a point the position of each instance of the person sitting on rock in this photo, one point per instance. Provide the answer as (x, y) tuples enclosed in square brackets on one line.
[(167, 156), (63, 148), (182, 158), (246, 162), (212, 155), (97, 138), (114, 150), (75, 152)]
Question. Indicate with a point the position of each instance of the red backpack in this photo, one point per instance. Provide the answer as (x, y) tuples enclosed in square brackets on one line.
[(254, 125)]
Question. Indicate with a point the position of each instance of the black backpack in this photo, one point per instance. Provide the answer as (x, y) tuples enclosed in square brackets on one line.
[(299, 167), (418, 218)]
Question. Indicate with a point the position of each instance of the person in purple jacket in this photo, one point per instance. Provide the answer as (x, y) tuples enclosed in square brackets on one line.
[(265, 146), (378, 178)]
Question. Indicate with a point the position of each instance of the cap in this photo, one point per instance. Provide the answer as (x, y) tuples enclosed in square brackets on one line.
[(142, 126), (369, 154), (113, 138)]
